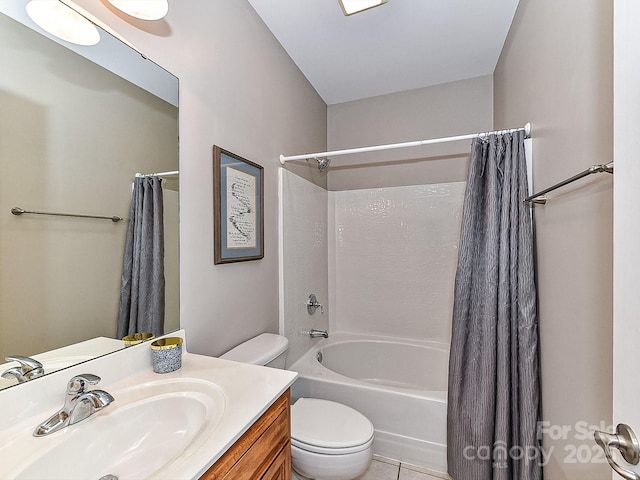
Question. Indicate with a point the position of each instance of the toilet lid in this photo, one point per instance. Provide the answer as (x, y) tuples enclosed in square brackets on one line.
[(328, 425), (259, 350)]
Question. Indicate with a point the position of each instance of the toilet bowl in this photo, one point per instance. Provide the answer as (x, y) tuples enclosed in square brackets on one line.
[(329, 440)]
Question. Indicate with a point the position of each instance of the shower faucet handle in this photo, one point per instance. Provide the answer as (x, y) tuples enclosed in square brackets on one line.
[(313, 305)]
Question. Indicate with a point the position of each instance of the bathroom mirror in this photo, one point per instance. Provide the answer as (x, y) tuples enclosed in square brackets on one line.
[(73, 134)]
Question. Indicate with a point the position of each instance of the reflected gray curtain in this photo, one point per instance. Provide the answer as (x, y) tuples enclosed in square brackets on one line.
[(142, 289), (494, 392)]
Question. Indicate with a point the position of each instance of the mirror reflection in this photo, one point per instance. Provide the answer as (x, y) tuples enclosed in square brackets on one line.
[(73, 135)]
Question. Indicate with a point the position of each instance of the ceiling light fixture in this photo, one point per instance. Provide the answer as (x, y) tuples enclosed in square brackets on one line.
[(63, 22), (349, 7), (143, 9)]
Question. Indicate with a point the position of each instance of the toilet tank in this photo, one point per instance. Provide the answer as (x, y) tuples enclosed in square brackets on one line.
[(266, 349)]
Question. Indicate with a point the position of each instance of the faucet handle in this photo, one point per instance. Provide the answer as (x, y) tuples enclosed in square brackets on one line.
[(77, 385), (28, 370), (313, 304), (26, 363)]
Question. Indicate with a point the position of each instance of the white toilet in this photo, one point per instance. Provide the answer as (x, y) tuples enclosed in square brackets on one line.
[(329, 441)]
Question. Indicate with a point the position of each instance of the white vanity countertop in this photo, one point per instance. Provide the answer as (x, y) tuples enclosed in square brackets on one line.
[(248, 392)]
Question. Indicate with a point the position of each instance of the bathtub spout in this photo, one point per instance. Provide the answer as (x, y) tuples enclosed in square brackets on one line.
[(314, 333)]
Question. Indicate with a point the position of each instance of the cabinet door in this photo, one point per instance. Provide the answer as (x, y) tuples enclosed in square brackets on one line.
[(280, 469), (259, 452)]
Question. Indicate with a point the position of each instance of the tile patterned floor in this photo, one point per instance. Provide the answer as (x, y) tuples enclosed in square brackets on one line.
[(383, 469), (380, 471)]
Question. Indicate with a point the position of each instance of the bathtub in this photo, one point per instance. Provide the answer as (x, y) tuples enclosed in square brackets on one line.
[(399, 384)]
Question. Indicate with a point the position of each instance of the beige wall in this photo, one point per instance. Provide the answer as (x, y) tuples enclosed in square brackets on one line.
[(241, 91), (171, 210), (556, 72), (72, 137), (449, 109)]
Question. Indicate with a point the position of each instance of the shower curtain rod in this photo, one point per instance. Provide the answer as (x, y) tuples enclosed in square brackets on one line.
[(161, 174), (334, 153)]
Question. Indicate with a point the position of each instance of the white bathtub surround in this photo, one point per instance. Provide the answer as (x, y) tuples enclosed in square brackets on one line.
[(391, 263), (392, 259), (303, 261), (409, 417)]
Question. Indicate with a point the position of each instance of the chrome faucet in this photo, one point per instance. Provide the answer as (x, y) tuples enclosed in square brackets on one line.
[(27, 370), (79, 404), (314, 333), (313, 305)]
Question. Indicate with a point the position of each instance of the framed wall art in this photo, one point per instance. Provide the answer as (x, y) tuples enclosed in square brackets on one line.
[(238, 201)]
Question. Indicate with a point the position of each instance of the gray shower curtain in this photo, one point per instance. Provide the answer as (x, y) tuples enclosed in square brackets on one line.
[(494, 392), (142, 289)]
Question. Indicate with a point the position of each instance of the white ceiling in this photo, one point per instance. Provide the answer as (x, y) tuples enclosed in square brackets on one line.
[(401, 45)]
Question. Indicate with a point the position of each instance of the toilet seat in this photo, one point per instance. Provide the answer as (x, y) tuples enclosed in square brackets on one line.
[(330, 451), (329, 428)]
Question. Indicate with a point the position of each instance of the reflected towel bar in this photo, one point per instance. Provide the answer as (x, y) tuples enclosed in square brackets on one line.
[(20, 211), (539, 198)]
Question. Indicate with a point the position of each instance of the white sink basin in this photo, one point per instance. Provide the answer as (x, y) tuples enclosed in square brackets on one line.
[(160, 426), (144, 430)]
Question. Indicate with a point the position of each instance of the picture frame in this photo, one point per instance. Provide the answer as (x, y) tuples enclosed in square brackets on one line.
[(238, 208)]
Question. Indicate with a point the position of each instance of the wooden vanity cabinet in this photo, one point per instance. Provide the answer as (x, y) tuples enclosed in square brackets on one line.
[(263, 452)]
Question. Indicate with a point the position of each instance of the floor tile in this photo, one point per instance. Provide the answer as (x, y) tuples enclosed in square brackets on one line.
[(390, 461), (431, 474), (406, 474), (380, 471)]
